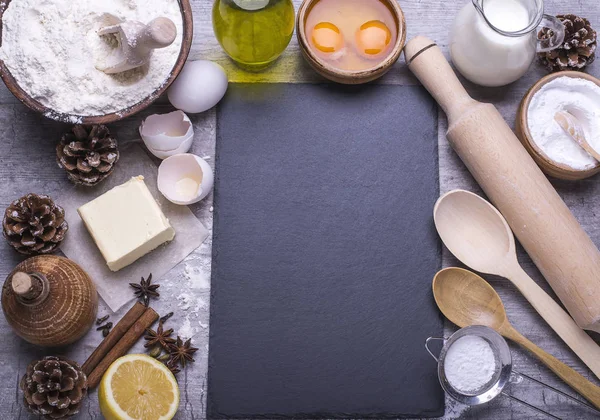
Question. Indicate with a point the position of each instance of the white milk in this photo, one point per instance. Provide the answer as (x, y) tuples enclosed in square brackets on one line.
[(483, 55)]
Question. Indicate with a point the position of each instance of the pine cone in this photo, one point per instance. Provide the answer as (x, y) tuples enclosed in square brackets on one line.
[(54, 387), (578, 49), (88, 154), (33, 224)]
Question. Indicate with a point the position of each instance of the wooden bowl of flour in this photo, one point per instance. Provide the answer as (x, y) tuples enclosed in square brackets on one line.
[(549, 166), (186, 43)]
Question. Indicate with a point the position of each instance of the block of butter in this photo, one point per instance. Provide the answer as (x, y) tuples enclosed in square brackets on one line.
[(126, 223)]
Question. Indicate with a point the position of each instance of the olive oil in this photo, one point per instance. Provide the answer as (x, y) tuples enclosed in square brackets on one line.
[(254, 33)]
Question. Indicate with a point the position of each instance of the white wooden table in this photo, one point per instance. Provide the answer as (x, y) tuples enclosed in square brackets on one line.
[(27, 164)]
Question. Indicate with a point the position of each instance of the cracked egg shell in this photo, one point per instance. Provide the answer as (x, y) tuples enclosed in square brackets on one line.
[(167, 134), (185, 179), (163, 154)]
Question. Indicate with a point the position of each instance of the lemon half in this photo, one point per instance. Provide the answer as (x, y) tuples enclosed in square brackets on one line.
[(138, 387)]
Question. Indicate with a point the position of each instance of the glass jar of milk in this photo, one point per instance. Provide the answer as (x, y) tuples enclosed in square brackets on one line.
[(493, 42)]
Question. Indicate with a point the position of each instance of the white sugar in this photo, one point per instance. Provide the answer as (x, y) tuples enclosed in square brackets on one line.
[(469, 364), (186, 330), (579, 97)]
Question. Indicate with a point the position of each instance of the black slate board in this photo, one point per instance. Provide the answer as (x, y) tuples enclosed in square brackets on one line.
[(324, 252)]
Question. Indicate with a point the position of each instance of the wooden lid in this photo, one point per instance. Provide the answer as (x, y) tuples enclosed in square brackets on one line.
[(31, 289), (49, 301)]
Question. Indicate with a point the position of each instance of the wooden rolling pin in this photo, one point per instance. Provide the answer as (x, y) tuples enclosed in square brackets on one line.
[(542, 222)]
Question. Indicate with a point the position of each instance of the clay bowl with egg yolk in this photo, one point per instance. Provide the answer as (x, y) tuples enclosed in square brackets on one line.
[(20, 94), (349, 77), (550, 167)]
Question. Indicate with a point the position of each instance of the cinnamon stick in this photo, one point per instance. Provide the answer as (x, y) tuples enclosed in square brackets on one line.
[(113, 337), (123, 345)]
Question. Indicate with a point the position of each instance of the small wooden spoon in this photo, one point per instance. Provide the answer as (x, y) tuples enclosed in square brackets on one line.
[(466, 299), (479, 236), (573, 128)]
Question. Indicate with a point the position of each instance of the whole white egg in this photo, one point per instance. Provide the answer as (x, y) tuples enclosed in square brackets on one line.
[(199, 87)]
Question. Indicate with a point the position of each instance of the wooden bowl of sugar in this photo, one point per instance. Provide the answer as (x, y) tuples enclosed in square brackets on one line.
[(567, 161), (119, 106)]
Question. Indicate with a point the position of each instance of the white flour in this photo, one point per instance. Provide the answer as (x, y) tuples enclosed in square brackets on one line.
[(51, 48), (470, 364), (579, 97)]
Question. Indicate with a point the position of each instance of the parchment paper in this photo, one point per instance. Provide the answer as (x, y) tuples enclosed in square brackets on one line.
[(80, 247)]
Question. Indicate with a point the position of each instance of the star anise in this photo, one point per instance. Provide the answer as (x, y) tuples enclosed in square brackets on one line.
[(173, 366), (160, 337), (182, 352), (145, 290), (165, 318)]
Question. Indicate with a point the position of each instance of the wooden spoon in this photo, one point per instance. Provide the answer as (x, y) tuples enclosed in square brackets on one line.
[(477, 234), (466, 299), (571, 125)]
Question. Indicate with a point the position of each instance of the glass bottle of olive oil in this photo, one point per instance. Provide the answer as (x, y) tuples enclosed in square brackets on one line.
[(254, 33)]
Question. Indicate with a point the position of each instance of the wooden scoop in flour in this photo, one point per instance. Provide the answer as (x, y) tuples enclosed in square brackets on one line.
[(136, 42), (573, 128)]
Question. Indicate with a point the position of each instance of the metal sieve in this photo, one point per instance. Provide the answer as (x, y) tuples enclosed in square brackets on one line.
[(503, 375)]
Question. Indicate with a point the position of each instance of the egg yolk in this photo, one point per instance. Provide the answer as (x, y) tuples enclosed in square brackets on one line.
[(373, 37), (327, 37)]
